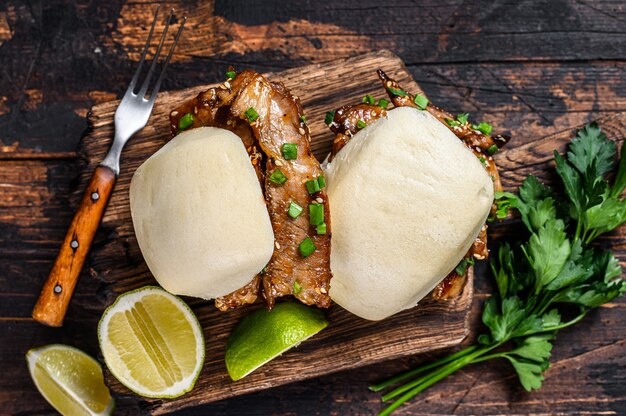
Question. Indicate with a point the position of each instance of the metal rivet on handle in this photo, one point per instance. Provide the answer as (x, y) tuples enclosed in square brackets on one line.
[(58, 289), (74, 244), (95, 196)]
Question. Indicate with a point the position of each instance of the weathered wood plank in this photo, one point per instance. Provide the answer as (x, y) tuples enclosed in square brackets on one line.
[(582, 44)]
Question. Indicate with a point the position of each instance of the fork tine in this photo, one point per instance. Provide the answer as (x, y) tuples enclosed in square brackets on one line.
[(155, 90), (155, 58), (131, 86)]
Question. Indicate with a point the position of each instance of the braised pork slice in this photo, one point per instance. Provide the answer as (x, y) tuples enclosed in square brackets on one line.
[(276, 118)]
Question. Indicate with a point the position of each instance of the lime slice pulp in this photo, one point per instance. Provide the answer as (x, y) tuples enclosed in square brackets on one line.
[(152, 343), (70, 380)]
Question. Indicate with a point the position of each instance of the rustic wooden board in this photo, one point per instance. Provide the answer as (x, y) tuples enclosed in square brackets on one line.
[(349, 341)]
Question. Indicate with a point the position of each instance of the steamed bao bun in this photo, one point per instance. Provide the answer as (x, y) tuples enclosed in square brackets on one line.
[(199, 214), (407, 200)]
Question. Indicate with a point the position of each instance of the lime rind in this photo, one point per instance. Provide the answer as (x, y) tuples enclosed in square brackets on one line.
[(125, 302), (32, 359), (264, 335)]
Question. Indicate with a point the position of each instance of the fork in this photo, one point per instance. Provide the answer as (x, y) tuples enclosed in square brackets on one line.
[(131, 116)]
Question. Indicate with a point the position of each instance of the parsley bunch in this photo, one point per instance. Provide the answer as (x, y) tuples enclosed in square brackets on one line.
[(554, 273)]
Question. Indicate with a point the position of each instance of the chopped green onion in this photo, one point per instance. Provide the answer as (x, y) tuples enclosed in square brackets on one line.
[(312, 186), (464, 265), (421, 101), (231, 74), (383, 103), (251, 115), (278, 177), (483, 160), (303, 119), (315, 185), (264, 269), (296, 287), (462, 118), (369, 99), (451, 122), (492, 149), (294, 210), (307, 247), (483, 127), (397, 92), (316, 214), (321, 229), (185, 121), (330, 115), (290, 151), (360, 124)]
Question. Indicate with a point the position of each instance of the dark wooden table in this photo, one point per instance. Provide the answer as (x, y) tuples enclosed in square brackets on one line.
[(530, 67)]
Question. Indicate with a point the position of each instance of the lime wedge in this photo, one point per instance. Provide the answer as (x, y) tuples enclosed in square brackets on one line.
[(152, 343), (264, 335), (70, 380)]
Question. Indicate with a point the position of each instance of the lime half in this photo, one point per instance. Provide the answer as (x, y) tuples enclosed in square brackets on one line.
[(152, 343), (70, 380), (264, 335)]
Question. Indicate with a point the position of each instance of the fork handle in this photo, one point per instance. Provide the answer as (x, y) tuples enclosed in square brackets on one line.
[(57, 291)]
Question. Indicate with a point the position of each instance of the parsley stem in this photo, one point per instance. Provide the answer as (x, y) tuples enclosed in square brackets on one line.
[(428, 380), (421, 369), (568, 323), (456, 364)]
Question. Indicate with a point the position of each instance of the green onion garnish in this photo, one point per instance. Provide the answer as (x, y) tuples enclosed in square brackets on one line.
[(296, 287), (294, 210), (321, 229), (483, 127), (278, 177), (185, 121), (231, 74), (307, 247), (303, 119), (290, 151), (383, 103), (397, 92), (492, 149), (312, 186), (451, 122), (462, 118), (369, 99), (251, 115), (316, 214), (360, 124), (421, 101), (321, 181), (483, 160), (330, 115), (462, 267)]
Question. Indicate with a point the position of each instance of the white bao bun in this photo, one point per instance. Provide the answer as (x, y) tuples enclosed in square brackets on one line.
[(407, 199), (199, 214)]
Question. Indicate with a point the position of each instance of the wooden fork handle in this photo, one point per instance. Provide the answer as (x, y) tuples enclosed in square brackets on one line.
[(58, 289)]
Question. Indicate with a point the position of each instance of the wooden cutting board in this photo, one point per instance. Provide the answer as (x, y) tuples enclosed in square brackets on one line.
[(349, 341)]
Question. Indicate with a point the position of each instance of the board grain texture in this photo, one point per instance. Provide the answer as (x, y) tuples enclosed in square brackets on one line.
[(531, 67), (348, 341)]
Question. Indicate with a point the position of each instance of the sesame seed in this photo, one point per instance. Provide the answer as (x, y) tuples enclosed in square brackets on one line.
[(277, 245), (389, 84), (223, 87), (323, 290), (319, 200), (279, 162), (301, 131), (174, 113), (227, 84), (195, 110), (479, 256)]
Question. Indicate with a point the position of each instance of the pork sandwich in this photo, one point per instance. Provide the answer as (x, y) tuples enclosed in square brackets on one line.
[(409, 201)]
